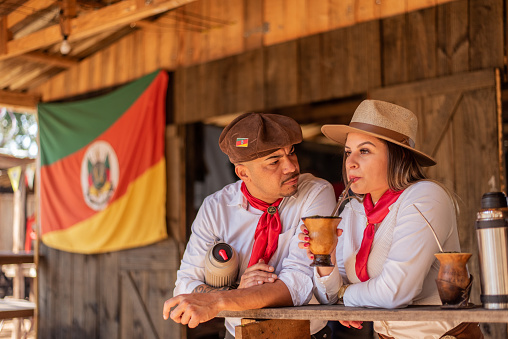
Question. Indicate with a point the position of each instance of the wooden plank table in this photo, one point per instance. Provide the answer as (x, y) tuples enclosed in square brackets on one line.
[(340, 312), (13, 308), (16, 258)]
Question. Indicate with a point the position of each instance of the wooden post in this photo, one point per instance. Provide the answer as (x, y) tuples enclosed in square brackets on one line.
[(18, 281)]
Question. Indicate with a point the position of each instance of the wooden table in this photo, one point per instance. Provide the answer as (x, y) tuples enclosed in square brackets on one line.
[(284, 319), (340, 312), (13, 308)]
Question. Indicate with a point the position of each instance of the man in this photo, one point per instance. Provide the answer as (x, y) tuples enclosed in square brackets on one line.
[(259, 216)]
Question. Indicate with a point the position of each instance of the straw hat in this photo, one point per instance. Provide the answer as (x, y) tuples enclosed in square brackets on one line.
[(383, 120)]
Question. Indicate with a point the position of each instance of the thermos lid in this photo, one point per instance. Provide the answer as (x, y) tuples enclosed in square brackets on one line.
[(494, 200), (222, 252)]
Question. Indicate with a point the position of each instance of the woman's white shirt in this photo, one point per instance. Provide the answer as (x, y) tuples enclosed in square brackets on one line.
[(401, 265)]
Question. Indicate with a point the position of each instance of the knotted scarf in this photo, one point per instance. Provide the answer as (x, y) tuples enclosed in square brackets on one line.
[(268, 229), (375, 214)]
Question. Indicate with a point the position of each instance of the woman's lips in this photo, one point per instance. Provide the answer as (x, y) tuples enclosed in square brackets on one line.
[(354, 179)]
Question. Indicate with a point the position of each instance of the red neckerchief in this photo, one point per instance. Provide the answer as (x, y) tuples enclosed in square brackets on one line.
[(268, 229), (375, 214)]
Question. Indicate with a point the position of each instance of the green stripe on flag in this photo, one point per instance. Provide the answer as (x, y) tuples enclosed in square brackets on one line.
[(67, 127)]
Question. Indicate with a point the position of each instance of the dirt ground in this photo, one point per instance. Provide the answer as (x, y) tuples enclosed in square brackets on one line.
[(7, 326)]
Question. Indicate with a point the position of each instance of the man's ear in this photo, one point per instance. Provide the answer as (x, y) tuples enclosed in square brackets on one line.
[(242, 172)]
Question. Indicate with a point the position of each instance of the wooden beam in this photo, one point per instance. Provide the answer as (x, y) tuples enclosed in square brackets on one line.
[(17, 101), (14, 308), (32, 6), (119, 14), (53, 60), (410, 313), (22, 82), (67, 13), (7, 258), (9, 6), (4, 34)]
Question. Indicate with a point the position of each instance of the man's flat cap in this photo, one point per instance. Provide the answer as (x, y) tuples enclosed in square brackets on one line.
[(255, 135)]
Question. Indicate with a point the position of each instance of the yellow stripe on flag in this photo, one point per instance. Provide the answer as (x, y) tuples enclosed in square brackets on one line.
[(139, 226)]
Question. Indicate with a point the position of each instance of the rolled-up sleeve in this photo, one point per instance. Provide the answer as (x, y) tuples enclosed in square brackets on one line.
[(327, 287), (192, 269)]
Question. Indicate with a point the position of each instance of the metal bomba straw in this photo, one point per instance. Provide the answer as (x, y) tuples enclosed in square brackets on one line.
[(431, 228), (343, 197)]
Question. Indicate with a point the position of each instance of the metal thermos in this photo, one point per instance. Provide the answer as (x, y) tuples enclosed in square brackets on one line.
[(492, 233)]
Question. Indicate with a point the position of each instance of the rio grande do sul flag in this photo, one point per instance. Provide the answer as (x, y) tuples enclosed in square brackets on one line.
[(103, 170)]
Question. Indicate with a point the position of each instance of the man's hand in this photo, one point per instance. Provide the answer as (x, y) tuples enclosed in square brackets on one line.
[(195, 308), (191, 309), (257, 274)]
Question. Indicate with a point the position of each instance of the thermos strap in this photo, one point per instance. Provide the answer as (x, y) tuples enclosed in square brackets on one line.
[(494, 299), (490, 223)]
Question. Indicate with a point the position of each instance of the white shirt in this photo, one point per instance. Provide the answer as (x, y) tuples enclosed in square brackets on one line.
[(226, 216), (401, 265)]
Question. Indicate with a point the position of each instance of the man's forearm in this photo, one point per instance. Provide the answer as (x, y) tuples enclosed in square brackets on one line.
[(204, 288), (274, 294)]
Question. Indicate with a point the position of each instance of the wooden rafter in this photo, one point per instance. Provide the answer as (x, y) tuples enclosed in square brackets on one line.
[(117, 15), (30, 7), (9, 6), (4, 34), (26, 102), (53, 60)]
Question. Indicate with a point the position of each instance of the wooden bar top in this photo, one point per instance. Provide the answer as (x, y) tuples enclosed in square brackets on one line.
[(16, 258), (13, 308), (339, 312)]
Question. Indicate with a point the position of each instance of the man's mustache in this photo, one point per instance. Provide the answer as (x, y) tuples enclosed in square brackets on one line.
[(291, 177)]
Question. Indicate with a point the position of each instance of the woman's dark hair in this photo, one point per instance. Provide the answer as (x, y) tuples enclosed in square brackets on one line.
[(403, 169)]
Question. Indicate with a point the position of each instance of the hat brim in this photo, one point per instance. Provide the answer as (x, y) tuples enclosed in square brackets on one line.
[(338, 133)]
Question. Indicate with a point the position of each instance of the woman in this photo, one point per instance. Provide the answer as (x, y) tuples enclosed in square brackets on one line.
[(385, 255)]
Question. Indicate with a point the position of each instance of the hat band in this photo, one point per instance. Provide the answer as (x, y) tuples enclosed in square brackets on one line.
[(385, 132)]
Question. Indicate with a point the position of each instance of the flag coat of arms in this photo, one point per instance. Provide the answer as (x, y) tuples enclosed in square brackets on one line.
[(103, 169)]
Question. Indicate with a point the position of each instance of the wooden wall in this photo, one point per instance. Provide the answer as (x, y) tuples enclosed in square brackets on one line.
[(207, 30), (112, 295), (424, 44)]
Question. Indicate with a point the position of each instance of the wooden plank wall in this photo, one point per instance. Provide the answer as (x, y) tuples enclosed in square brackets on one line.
[(321, 67), (112, 295), (424, 44), (208, 30)]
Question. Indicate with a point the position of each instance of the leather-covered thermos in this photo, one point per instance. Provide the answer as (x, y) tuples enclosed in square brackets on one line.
[(221, 265), (492, 233)]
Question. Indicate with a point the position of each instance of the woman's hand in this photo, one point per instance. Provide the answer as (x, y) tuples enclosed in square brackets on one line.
[(304, 244), (257, 274), (304, 238)]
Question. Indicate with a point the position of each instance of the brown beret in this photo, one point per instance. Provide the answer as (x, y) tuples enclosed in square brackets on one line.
[(255, 135)]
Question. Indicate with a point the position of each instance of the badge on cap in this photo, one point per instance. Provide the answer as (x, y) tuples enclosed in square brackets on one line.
[(242, 142)]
